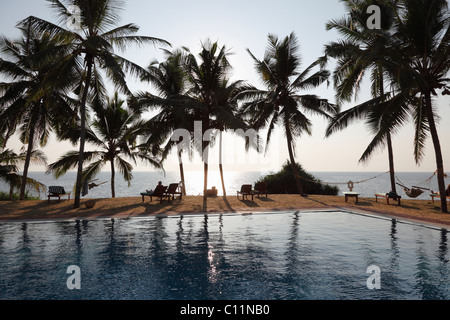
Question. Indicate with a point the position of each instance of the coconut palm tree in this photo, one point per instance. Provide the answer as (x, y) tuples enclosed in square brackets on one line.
[(227, 97), (360, 52), (211, 97), (28, 102), (193, 91), (90, 42), (114, 134), (421, 66), (416, 62), (9, 168), (168, 78), (281, 103)]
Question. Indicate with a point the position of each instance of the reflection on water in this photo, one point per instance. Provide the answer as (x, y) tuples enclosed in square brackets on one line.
[(261, 256)]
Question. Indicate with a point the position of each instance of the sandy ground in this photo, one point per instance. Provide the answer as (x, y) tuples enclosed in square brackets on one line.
[(416, 210)]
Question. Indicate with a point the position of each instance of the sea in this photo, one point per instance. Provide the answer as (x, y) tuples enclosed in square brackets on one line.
[(365, 183)]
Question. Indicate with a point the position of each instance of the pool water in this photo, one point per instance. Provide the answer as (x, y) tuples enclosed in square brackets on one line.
[(274, 256)]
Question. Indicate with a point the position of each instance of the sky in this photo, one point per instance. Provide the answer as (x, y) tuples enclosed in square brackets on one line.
[(241, 25)]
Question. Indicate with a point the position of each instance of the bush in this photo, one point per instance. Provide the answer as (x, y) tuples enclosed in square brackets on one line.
[(4, 196), (284, 182)]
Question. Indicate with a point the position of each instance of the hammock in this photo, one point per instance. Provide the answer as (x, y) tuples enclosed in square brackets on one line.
[(413, 192), (89, 185)]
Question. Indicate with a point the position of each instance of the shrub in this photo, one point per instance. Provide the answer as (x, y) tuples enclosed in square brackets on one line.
[(284, 182), (4, 196)]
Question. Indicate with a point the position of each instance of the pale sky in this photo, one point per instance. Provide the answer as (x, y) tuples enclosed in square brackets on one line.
[(240, 25)]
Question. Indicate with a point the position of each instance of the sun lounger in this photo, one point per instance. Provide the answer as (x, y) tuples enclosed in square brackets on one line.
[(388, 196), (436, 195), (159, 192), (261, 188), (246, 190), (351, 195), (172, 191), (57, 192)]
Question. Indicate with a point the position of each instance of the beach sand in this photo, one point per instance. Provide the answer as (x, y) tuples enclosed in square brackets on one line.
[(412, 210)]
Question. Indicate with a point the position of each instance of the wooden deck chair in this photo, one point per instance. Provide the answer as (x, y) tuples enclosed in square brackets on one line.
[(57, 192), (159, 192), (172, 191), (246, 190), (261, 188)]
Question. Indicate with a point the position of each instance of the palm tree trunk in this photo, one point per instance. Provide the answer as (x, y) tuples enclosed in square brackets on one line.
[(388, 139), (205, 153), (437, 150), (180, 162), (183, 185), (113, 175), (27, 163), (205, 169), (31, 135), (82, 134), (220, 165), (391, 162), (11, 191), (292, 159)]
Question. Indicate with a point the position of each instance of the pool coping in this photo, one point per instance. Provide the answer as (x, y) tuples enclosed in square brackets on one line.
[(366, 213), (401, 219)]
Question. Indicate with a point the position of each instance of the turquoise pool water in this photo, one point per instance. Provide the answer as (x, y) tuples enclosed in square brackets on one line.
[(277, 256)]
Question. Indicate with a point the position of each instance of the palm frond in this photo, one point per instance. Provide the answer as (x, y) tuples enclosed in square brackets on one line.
[(125, 169), (421, 132), (124, 42), (313, 81), (377, 142), (90, 172), (69, 161)]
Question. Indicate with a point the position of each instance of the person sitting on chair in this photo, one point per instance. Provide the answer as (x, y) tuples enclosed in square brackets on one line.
[(151, 191)]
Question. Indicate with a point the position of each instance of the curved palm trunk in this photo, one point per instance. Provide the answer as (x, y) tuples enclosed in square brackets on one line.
[(220, 165), (292, 159), (205, 169), (391, 162), (205, 153), (113, 176), (183, 185), (82, 135), (388, 140), (27, 163), (180, 162), (437, 150)]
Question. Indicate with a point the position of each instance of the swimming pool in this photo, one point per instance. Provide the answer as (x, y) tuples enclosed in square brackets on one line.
[(272, 256)]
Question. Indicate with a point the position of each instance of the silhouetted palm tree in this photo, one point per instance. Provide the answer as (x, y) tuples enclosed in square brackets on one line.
[(421, 67), (90, 42), (416, 62), (169, 80), (27, 100), (193, 91), (362, 50), (114, 134), (211, 96), (9, 168), (281, 103)]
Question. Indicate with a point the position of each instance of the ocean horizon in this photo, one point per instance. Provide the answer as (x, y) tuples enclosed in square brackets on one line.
[(366, 183)]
